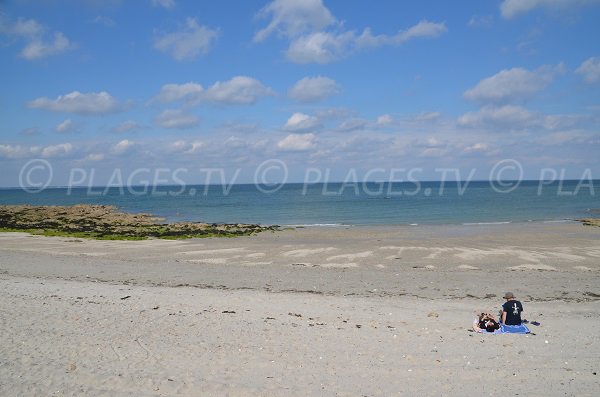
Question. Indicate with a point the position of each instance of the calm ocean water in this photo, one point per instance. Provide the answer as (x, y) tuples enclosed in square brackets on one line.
[(340, 204)]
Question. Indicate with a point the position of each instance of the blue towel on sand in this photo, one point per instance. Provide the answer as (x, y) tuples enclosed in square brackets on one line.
[(514, 329), (509, 329)]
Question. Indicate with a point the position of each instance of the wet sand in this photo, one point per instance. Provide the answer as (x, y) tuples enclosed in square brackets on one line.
[(318, 311)]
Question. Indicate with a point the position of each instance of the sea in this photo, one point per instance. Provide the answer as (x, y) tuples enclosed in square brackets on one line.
[(340, 204)]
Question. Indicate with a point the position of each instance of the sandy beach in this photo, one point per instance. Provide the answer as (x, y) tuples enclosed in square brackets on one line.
[(357, 311)]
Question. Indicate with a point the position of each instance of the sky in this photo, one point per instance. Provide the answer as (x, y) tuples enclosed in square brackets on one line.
[(336, 89)]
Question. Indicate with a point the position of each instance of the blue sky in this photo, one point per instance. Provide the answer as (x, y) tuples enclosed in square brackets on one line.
[(335, 85)]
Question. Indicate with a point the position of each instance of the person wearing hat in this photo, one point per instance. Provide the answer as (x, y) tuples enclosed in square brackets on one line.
[(511, 310)]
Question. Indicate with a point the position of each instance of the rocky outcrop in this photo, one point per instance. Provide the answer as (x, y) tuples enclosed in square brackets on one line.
[(103, 221), (590, 221)]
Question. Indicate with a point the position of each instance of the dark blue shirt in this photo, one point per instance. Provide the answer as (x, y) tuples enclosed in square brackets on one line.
[(513, 309)]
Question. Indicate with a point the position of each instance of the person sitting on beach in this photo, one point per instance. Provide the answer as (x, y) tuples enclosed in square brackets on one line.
[(485, 322), (511, 310)]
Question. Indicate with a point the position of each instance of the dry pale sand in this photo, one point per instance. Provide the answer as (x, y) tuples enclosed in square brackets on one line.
[(332, 311)]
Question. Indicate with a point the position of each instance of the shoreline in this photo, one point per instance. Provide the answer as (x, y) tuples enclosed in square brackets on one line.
[(490, 223), (107, 222)]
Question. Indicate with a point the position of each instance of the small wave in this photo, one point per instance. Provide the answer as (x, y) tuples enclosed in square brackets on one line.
[(486, 223), (558, 221), (320, 225)]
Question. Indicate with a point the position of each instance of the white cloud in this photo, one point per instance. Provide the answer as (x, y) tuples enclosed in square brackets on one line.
[(178, 146), (93, 157), (235, 142), (384, 119), (184, 147), (66, 126), (305, 23), (478, 21), (513, 8), (434, 152), (297, 142), (424, 117), (59, 150), (476, 148), (30, 131), (40, 49), (320, 47), (332, 113), (76, 102), (563, 137), (189, 42), (513, 84), (294, 17), (127, 126), (239, 90), (434, 142), (174, 118), (195, 147), (38, 46), (423, 29), (10, 151), (177, 92), (168, 4), (28, 28), (326, 47), (312, 89), (122, 147), (237, 128), (102, 20), (509, 115), (352, 125), (301, 122), (590, 70)]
